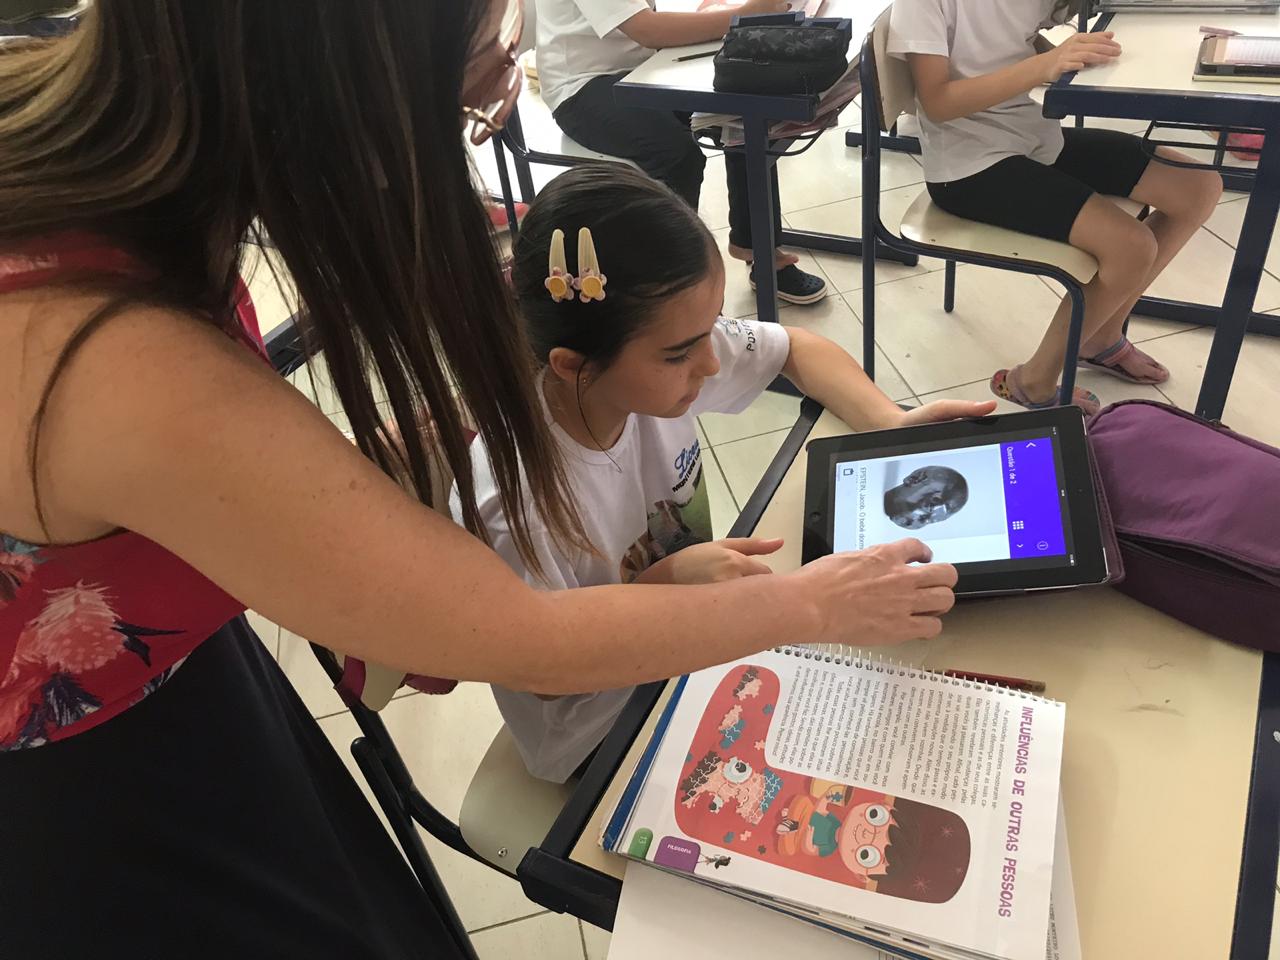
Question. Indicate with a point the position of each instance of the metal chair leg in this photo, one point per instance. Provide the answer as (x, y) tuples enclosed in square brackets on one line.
[(949, 287), (411, 843), (504, 179), (1076, 293)]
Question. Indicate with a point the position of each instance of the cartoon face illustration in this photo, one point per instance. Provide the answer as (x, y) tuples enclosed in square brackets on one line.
[(730, 781), (863, 838), (835, 830)]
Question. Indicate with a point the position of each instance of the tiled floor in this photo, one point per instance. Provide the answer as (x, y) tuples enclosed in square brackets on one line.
[(924, 354)]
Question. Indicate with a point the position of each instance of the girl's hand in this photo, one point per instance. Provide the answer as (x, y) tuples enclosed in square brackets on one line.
[(942, 410), (753, 7), (712, 562), (875, 597), (1078, 51)]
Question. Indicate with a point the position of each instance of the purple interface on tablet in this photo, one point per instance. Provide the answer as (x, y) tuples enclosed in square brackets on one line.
[(1032, 499)]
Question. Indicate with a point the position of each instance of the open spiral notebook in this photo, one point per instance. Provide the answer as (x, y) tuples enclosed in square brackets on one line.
[(909, 810)]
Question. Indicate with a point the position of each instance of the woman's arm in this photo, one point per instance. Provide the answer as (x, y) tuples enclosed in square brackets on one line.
[(823, 370), (943, 98), (164, 426), (667, 28)]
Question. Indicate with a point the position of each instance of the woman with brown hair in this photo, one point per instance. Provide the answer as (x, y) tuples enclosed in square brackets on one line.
[(162, 784)]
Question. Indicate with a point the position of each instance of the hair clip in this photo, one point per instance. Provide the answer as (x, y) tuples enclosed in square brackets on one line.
[(558, 283), (590, 281)]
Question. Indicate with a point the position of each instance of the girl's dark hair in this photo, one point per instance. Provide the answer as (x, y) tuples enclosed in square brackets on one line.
[(928, 854), (176, 127), (650, 245)]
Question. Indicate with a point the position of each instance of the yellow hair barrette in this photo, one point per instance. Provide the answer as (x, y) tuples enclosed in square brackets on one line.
[(588, 284)]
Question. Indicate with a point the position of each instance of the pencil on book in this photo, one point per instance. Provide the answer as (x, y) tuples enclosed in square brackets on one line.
[(1013, 683)]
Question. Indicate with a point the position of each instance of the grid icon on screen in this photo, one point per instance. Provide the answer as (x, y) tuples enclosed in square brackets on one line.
[(1018, 525)]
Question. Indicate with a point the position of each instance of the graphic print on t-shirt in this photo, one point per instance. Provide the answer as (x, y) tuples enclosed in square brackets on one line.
[(672, 525), (730, 797)]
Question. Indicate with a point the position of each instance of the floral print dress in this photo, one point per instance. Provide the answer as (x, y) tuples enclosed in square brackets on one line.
[(89, 629)]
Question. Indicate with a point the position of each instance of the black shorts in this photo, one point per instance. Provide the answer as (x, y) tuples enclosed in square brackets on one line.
[(1024, 195)]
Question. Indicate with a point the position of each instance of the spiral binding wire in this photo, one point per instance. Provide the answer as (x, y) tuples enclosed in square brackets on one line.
[(843, 654)]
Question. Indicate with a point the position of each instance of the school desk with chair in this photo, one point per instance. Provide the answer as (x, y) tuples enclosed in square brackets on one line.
[(1170, 772), (1153, 80), (682, 79)]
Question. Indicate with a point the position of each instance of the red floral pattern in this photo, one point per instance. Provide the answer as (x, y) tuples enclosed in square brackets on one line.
[(73, 651)]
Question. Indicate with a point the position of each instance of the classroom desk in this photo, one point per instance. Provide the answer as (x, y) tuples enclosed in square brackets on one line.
[(1171, 772), (1152, 81), (666, 82)]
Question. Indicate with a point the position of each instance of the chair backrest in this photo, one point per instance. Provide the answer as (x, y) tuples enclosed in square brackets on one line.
[(894, 90)]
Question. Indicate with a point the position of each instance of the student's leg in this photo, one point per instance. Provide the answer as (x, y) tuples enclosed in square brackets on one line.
[(794, 285), (1182, 200), (735, 175), (1116, 164), (656, 141), (1020, 194), (1125, 250)]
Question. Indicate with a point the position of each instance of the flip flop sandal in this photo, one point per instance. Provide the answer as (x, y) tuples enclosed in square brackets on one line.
[(1004, 385), (796, 286), (1110, 360)]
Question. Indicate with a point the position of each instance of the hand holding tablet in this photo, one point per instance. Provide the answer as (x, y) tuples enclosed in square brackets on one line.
[(1008, 499)]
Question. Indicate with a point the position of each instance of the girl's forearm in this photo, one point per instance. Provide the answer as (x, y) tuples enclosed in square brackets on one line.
[(659, 29), (944, 99), (825, 371)]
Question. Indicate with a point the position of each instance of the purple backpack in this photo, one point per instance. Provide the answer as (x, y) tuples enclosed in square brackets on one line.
[(1196, 509)]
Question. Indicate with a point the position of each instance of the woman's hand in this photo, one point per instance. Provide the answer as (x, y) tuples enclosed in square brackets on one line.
[(712, 562), (943, 410), (1078, 51), (875, 597)]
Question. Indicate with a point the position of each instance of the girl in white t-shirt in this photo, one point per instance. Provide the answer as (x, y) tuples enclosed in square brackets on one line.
[(587, 46), (624, 378), (991, 155)]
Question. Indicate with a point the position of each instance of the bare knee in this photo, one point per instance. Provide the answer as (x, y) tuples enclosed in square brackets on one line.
[(1128, 255)]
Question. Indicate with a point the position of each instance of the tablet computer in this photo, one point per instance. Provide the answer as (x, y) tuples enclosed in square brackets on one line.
[(1255, 58), (1009, 499)]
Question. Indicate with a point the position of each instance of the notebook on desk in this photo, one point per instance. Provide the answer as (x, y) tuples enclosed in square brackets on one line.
[(1187, 6), (895, 806)]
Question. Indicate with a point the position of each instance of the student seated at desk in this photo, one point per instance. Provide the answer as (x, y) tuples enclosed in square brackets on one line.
[(633, 347), (587, 46), (991, 155)]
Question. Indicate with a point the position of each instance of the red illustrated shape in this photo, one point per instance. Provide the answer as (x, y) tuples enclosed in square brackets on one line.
[(730, 797)]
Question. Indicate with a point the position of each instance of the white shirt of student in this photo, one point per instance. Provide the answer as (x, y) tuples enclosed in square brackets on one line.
[(979, 37), (580, 39), (641, 501)]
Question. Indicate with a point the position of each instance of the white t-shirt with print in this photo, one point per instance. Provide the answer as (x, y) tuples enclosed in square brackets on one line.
[(580, 39), (979, 37), (641, 501)]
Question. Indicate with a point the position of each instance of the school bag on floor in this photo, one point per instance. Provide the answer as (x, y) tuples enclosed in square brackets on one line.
[(1196, 508)]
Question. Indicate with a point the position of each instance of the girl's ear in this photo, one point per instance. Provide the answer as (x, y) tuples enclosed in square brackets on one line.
[(566, 364)]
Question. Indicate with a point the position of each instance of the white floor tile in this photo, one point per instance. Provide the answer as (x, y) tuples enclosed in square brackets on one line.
[(829, 171), (1199, 274), (1255, 391), (442, 740), (596, 941), (845, 218), (1108, 389), (739, 297), (724, 509), (744, 461), (770, 411), (836, 320), (1225, 223), (548, 936), (713, 201), (998, 320)]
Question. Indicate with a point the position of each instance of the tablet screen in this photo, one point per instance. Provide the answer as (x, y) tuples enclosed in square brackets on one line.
[(989, 504)]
